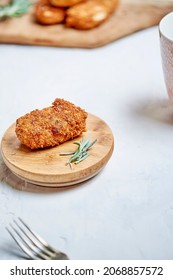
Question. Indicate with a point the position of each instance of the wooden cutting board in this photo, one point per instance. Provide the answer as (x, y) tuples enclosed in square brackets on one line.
[(45, 167), (130, 16)]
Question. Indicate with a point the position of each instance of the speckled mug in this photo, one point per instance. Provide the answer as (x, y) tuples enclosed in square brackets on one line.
[(166, 45)]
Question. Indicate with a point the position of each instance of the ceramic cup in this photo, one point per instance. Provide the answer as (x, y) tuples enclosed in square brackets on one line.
[(166, 45)]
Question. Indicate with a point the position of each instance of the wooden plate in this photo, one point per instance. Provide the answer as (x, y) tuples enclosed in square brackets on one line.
[(129, 17), (47, 168)]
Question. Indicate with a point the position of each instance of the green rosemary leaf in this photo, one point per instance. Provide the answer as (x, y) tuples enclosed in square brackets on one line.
[(82, 158), (66, 153), (76, 154), (69, 163), (81, 155), (16, 8), (92, 144), (86, 144), (81, 152), (77, 143)]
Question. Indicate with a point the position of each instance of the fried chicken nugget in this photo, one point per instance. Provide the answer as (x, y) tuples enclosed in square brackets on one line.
[(90, 14), (65, 3), (47, 14), (51, 126)]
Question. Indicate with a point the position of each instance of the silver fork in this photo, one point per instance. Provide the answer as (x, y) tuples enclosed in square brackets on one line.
[(31, 243)]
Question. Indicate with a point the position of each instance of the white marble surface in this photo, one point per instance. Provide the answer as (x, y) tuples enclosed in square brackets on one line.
[(126, 212)]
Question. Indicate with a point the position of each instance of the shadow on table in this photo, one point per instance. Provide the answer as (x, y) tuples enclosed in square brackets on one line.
[(159, 110), (9, 178), (12, 250)]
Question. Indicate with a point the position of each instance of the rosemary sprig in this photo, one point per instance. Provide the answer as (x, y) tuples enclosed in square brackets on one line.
[(15, 8), (81, 152)]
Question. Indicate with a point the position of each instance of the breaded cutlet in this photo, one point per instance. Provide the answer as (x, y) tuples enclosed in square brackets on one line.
[(51, 126)]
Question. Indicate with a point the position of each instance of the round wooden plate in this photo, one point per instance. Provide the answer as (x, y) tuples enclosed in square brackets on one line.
[(45, 167)]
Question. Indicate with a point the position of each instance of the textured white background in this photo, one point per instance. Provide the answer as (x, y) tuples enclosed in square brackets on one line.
[(126, 212)]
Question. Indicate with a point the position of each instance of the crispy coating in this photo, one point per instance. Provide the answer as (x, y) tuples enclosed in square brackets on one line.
[(90, 14), (51, 126), (47, 14), (65, 3)]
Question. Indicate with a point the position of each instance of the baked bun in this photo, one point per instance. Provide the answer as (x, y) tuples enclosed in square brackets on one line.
[(47, 14), (65, 3), (90, 14)]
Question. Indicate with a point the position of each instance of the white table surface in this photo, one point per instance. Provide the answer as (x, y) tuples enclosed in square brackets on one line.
[(125, 212)]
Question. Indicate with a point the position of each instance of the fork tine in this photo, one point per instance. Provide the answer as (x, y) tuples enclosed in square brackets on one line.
[(24, 248), (31, 243), (27, 245), (28, 242), (37, 237), (32, 232), (37, 240)]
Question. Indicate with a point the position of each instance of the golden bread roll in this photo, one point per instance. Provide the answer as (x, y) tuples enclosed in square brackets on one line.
[(65, 3), (51, 126), (90, 14), (47, 14)]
